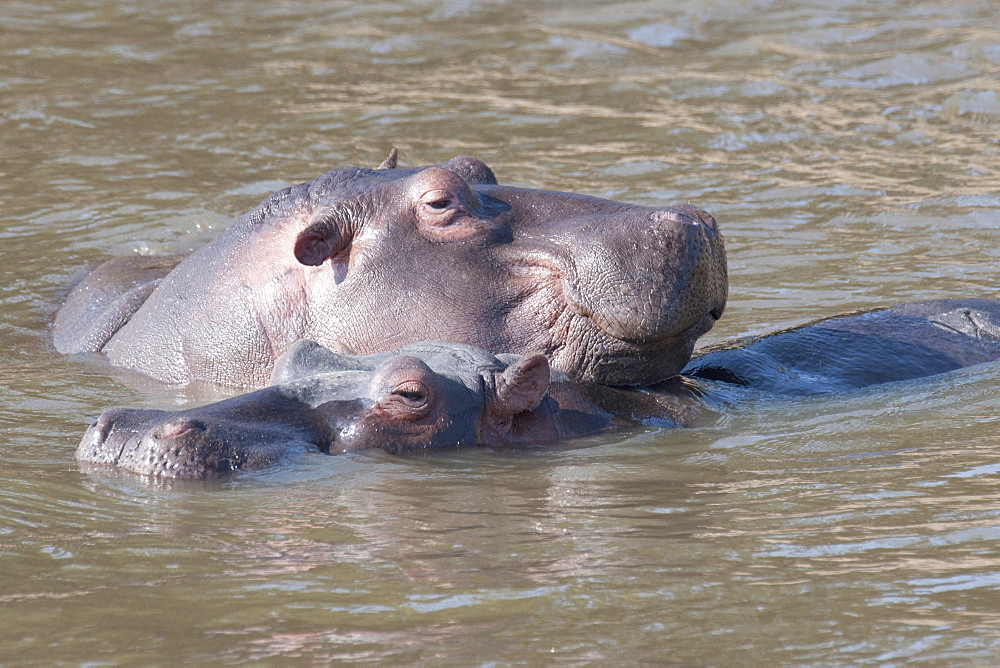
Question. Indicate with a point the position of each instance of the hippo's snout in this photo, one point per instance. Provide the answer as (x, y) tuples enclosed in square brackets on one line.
[(200, 442), (656, 280), (160, 444), (106, 438), (637, 285)]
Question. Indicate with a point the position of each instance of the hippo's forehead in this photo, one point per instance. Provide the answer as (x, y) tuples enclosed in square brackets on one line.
[(306, 359), (462, 372), (451, 358), (357, 194), (459, 392), (329, 386), (461, 365), (348, 183), (354, 182)]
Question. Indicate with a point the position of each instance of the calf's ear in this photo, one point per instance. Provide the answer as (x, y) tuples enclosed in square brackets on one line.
[(522, 385)]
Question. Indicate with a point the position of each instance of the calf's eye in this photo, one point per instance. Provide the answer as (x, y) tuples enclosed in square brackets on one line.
[(412, 393), (411, 396)]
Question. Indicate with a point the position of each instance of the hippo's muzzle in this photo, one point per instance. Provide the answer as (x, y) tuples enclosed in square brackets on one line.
[(635, 290), (172, 445)]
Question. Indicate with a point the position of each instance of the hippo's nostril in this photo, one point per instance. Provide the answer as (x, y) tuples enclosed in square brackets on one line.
[(688, 214), (678, 217), (175, 428), (101, 427)]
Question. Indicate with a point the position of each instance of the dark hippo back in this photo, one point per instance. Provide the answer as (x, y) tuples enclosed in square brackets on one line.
[(860, 349)]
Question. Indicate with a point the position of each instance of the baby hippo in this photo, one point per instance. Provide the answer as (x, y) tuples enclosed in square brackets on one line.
[(424, 395)]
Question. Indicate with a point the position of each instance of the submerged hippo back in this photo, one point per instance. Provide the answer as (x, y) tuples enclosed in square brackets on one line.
[(857, 350)]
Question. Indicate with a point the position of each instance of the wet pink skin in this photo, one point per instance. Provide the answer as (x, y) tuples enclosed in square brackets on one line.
[(369, 260)]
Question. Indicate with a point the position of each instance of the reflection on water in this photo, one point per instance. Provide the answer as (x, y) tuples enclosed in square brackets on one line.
[(849, 151)]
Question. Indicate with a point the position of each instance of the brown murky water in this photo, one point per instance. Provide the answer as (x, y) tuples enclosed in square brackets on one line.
[(850, 151)]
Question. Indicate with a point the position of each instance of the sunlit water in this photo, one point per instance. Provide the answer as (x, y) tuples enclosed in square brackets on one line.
[(850, 152)]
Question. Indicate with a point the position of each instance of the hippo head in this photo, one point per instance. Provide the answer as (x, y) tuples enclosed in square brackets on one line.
[(426, 395), (368, 260), (610, 292)]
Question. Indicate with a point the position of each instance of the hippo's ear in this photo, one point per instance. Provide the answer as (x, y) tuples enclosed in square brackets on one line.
[(521, 386), (319, 242), (473, 170), (390, 162)]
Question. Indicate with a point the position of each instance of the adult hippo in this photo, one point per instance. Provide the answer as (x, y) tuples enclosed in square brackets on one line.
[(364, 260), (434, 394)]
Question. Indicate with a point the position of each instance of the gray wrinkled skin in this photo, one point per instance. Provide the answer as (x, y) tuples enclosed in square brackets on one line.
[(434, 394), (365, 260)]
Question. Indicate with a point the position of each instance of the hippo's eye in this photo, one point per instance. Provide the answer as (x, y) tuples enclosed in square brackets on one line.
[(445, 214), (413, 393), (404, 388), (439, 207)]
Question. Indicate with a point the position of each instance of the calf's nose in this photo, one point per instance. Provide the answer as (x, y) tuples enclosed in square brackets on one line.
[(177, 428)]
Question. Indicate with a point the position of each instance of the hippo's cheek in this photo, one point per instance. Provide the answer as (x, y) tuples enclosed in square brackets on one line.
[(395, 436)]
